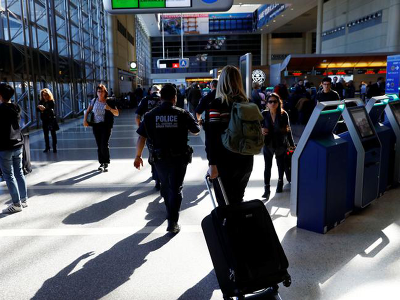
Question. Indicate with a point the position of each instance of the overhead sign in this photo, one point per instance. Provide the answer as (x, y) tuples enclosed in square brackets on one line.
[(174, 63), (392, 74), (165, 6), (267, 12)]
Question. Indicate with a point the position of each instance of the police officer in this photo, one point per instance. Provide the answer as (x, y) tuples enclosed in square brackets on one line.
[(145, 105), (167, 128)]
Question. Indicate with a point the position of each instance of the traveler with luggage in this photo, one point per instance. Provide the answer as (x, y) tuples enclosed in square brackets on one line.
[(232, 166), (48, 117), (278, 138), (104, 110), (167, 127), (145, 105), (11, 150)]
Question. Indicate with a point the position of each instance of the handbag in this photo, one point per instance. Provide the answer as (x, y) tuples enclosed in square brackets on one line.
[(90, 116), (53, 125)]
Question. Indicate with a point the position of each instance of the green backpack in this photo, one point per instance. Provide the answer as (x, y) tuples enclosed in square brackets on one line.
[(243, 134)]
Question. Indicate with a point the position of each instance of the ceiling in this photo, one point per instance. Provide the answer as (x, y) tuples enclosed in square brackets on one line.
[(301, 16)]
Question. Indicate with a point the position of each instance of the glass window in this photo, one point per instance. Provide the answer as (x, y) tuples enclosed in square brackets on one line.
[(62, 46), (60, 24), (43, 40)]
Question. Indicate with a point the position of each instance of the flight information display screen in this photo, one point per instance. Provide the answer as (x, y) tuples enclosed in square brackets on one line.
[(396, 110), (133, 4), (361, 122)]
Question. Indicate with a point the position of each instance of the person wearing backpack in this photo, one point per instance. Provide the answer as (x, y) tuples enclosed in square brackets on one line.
[(229, 153), (278, 137), (11, 150)]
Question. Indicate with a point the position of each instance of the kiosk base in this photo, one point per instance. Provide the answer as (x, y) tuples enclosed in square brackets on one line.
[(322, 184)]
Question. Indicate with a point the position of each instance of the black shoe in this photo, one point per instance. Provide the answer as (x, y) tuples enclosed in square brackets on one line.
[(105, 167), (279, 187), (267, 192), (54, 150), (46, 150), (100, 168), (173, 227), (158, 185)]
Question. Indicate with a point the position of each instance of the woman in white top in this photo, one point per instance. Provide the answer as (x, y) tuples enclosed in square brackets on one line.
[(104, 111)]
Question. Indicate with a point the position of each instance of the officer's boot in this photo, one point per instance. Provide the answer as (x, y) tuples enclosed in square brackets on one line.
[(267, 191), (279, 187)]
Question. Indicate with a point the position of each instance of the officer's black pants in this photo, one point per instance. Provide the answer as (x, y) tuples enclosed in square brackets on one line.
[(280, 161), (171, 173), (234, 171), (46, 135), (102, 134)]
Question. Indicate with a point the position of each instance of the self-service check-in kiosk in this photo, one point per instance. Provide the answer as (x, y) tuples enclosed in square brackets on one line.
[(375, 108), (364, 156), (319, 176), (392, 112)]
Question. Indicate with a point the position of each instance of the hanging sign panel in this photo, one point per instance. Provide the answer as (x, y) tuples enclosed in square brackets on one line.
[(165, 6)]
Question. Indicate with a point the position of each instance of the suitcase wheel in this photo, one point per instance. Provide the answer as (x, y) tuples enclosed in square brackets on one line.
[(287, 281)]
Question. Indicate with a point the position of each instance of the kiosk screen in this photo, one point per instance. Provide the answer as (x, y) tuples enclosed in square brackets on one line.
[(396, 110), (361, 121)]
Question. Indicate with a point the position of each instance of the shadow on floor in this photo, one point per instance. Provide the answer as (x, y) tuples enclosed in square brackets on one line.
[(101, 210), (106, 272)]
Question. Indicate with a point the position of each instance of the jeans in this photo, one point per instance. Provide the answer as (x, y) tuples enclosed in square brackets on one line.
[(171, 173), (11, 166), (102, 134)]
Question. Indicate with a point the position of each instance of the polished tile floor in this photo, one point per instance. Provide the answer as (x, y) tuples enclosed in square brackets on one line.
[(91, 235)]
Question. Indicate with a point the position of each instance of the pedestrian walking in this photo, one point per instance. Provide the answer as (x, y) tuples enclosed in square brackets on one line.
[(49, 120)]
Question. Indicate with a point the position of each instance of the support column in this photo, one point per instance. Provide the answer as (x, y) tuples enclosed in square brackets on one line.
[(269, 49), (320, 12), (264, 49), (307, 42), (112, 71), (393, 33)]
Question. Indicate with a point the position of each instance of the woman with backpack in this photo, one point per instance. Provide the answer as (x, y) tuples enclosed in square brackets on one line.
[(11, 150), (278, 138), (233, 168)]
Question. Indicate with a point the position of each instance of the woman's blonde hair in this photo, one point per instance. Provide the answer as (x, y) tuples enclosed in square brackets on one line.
[(230, 86), (48, 92)]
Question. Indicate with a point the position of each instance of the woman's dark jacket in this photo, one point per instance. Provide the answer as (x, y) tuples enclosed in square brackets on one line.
[(10, 133), (278, 137), (48, 113)]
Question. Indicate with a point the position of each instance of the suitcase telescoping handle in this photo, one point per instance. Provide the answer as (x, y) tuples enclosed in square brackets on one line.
[(221, 187)]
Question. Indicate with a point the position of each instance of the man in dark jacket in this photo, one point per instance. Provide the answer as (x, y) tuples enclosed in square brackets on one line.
[(146, 105), (11, 150), (193, 98), (255, 96), (376, 89), (327, 94)]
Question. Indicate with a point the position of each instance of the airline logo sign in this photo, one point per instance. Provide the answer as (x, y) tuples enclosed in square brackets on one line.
[(174, 63)]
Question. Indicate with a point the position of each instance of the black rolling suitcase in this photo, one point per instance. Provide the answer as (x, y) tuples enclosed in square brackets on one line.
[(26, 155), (245, 250)]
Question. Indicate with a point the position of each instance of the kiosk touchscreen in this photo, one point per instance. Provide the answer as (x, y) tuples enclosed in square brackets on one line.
[(364, 158), (375, 108), (392, 112), (319, 163)]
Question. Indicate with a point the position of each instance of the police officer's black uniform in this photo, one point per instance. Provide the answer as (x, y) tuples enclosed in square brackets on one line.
[(167, 129), (145, 105)]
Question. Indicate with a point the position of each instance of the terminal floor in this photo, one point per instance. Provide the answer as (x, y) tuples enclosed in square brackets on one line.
[(91, 235)]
